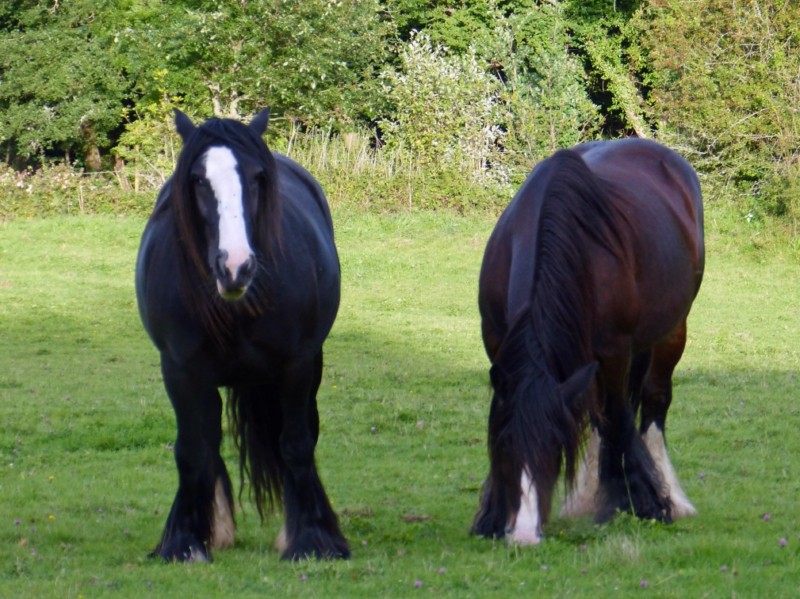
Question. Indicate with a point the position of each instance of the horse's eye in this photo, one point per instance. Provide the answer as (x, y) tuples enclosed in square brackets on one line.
[(199, 181)]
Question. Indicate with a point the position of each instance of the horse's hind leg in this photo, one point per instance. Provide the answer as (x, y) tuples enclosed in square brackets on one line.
[(492, 516), (655, 399), (202, 512), (311, 528), (582, 498), (629, 479)]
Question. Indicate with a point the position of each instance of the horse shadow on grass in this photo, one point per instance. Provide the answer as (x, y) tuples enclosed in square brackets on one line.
[(415, 421)]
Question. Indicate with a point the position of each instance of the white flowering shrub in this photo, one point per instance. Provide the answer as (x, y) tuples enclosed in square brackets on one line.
[(446, 110)]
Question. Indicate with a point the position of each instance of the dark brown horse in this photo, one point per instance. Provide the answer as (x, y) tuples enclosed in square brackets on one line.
[(585, 288)]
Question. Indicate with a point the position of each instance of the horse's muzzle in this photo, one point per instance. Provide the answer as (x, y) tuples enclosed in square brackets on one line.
[(233, 286)]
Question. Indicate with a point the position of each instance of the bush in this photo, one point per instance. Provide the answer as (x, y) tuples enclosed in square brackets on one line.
[(356, 175), (446, 110), (62, 190), (723, 81)]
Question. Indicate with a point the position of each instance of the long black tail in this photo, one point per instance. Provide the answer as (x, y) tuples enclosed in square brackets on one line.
[(255, 418), (535, 421)]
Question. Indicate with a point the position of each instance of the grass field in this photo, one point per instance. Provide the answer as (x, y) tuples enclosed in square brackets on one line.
[(87, 474)]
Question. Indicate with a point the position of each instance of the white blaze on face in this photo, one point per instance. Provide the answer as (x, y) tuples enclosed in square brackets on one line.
[(220, 164), (527, 526), (654, 440)]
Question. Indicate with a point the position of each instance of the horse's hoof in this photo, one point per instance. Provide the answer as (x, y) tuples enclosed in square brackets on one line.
[(181, 552), (316, 544)]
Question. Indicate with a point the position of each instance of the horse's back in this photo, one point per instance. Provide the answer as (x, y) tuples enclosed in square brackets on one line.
[(302, 194), (658, 196), (652, 173), (646, 273), (307, 236)]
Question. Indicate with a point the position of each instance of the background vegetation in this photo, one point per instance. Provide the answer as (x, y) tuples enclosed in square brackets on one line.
[(453, 101)]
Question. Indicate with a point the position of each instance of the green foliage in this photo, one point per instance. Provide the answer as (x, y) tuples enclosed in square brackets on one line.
[(724, 89), (74, 72), (461, 26), (61, 190), (513, 96), (149, 147), (58, 92), (352, 172), (607, 56), (472, 88), (356, 176), (313, 60), (610, 49), (544, 86), (455, 25)]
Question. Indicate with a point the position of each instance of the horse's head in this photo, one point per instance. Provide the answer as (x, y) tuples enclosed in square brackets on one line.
[(536, 421), (224, 185)]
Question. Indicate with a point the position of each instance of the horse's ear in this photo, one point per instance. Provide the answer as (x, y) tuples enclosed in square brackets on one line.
[(260, 122), (183, 125), (579, 383)]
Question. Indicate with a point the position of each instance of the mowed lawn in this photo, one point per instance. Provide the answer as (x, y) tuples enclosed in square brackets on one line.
[(87, 473)]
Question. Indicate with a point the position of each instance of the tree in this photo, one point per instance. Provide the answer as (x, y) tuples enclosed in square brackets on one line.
[(75, 73), (314, 62), (58, 94), (311, 60), (724, 88), (548, 108)]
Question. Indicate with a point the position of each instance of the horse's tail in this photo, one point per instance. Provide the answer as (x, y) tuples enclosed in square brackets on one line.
[(255, 416), (535, 422)]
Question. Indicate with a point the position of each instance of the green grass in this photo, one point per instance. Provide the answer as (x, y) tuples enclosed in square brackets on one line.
[(87, 475)]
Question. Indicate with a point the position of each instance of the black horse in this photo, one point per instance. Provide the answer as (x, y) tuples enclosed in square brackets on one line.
[(585, 288), (238, 285)]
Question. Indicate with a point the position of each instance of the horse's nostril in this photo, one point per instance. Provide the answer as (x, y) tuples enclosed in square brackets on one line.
[(221, 268), (248, 269)]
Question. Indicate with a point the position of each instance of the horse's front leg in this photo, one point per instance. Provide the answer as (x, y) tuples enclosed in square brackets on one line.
[(311, 528), (202, 512)]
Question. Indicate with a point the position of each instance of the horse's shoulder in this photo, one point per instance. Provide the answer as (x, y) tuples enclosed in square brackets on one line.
[(300, 192), (293, 173)]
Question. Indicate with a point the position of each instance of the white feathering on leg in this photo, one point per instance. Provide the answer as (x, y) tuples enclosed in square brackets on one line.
[(654, 440), (223, 529), (281, 541), (527, 526), (582, 497)]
